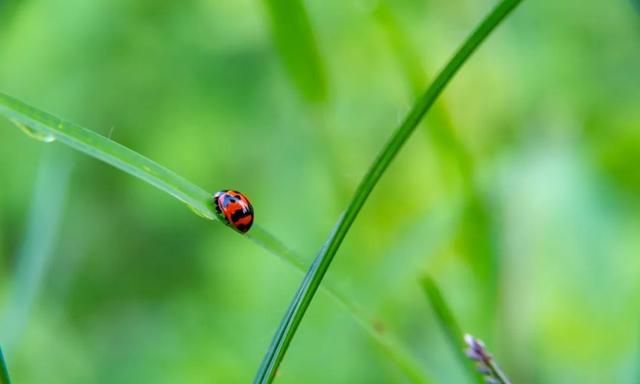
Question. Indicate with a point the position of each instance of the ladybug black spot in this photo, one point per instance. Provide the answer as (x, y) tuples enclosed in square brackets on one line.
[(239, 214)]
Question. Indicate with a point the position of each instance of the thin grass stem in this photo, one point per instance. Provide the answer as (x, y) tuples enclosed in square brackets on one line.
[(449, 325)]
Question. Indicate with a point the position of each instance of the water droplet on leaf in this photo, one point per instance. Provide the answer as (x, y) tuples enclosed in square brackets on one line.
[(33, 133)]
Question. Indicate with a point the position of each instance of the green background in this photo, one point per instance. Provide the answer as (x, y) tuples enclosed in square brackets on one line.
[(519, 195)]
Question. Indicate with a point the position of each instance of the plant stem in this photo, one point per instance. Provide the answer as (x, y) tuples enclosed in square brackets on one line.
[(497, 372), (485, 363), (320, 265)]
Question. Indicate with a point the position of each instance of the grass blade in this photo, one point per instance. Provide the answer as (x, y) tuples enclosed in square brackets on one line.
[(476, 232), (316, 272), (109, 151), (4, 371), (296, 45), (41, 124), (33, 256), (439, 126), (449, 325), (402, 359), (387, 344)]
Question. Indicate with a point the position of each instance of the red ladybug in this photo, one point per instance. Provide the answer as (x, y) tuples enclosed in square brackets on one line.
[(234, 209)]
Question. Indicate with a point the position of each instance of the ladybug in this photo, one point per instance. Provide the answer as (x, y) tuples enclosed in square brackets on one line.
[(233, 208)]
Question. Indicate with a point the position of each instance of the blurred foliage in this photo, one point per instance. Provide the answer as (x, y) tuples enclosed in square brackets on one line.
[(535, 244), (293, 36)]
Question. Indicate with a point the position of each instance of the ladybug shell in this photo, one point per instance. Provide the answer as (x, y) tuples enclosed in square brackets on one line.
[(234, 208)]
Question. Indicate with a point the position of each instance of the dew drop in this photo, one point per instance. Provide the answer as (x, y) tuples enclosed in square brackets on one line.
[(33, 133)]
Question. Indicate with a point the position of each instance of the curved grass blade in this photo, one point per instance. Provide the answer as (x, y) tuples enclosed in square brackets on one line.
[(316, 272), (47, 127), (100, 147), (42, 125), (449, 324), (476, 231), (439, 125), (4, 371), (387, 343), (400, 357)]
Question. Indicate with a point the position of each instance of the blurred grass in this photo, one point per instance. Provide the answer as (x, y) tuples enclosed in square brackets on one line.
[(294, 39), (48, 201), (450, 326), (475, 237), (438, 125)]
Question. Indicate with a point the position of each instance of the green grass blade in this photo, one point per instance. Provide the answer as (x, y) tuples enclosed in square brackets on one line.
[(387, 344), (40, 237), (41, 124), (296, 44), (100, 147), (402, 49), (403, 360), (267, 241), (4, 371), (316, 272), (443, 311), (449, 325)]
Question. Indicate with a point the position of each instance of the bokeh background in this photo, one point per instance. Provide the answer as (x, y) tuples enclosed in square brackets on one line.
[(519, 194)]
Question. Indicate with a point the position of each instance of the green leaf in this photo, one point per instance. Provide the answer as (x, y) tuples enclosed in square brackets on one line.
[(449, 325), (293, 36), (48, 128), (309, 286), (4, 371)]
